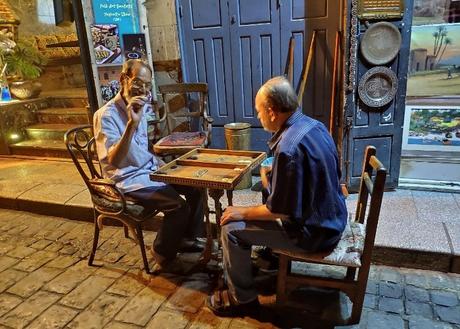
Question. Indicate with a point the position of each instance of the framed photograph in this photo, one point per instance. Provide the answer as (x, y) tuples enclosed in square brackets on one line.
[(134, 46), (431, 128), (434, 61), (109, 81), (106, 43)]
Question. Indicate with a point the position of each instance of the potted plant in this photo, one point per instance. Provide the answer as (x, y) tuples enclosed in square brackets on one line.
[(24, 64)]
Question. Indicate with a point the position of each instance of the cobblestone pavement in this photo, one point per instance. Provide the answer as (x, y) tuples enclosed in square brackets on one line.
[(45, 283)]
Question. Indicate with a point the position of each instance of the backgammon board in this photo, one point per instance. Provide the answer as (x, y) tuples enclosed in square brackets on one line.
[(209, 168)]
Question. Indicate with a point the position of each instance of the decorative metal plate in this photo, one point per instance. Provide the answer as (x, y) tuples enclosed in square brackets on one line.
[(381, 43), (380, 9), (378, 86)]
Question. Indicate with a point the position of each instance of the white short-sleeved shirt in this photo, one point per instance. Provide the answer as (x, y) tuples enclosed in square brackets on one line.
[(109, 125)]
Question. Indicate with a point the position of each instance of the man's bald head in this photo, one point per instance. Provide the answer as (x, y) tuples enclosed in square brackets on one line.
[(279, 95)]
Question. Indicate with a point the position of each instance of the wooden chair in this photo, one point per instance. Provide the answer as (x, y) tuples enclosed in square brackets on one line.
[(353, 251), (108, 201), (188, 125)]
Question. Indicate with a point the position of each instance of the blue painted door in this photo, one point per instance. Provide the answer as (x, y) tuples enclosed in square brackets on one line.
[(236, 45), (206, 53), (255, 46)]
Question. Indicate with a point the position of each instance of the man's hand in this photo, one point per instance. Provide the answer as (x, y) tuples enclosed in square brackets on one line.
[(134, 108), (232, 214)]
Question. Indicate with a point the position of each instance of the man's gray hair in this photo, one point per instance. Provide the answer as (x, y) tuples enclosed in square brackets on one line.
[(280, 95), (129, 65)]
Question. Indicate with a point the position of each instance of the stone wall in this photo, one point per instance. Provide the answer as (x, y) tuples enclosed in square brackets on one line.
[(36, 18)]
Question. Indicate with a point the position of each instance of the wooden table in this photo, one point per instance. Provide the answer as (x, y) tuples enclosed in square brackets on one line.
[(214, 170)]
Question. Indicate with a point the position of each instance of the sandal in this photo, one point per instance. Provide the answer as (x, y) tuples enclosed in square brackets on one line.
[(221, 303)]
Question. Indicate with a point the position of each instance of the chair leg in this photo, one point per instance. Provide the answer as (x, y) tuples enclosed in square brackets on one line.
[(140, 238), (357, 307), (281, 293), (95, 243), (125, 228)]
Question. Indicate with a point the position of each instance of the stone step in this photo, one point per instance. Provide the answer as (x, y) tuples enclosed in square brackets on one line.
[(65, 115), (40, 148), (48, 131)]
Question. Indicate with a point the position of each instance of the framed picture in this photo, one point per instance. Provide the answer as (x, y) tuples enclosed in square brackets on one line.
[(134, 46), (109, 81), (434, 61), (106, 43), (431, 128), (436, 12)]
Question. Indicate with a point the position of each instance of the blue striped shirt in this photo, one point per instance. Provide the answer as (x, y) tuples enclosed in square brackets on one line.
[(304, 182)]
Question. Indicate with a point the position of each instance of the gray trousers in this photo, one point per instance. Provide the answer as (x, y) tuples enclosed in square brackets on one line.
[(237, 239)]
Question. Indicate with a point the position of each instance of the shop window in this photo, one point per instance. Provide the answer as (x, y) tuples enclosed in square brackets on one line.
[(45, 11)]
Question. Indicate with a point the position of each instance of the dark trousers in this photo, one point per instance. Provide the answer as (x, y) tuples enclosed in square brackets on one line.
[(182, 218)]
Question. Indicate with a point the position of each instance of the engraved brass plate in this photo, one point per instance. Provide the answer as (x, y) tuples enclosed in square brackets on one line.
[(381, 43), (378, 86), (380, 9)]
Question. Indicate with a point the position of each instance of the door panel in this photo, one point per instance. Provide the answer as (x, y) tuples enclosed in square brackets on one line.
[(254, 32), (300, 18), (206, 53)]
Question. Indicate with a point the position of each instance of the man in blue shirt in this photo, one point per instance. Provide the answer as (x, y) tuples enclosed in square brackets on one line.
[(120, 130), (305, 209)]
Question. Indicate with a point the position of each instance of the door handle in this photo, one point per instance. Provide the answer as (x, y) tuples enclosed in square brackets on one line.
[(233, 19)]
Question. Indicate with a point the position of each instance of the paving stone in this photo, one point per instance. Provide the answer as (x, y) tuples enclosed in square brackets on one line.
[(441, 281), (63, 262), (390, 275), (167, 319), (165, 281), (207, 320), (416, 322), (370, 301), (189, 297), (6, 247), (112, 272), (416, 294), (24, 313), (380, 320), (444, 298), (7, 262), (417, 308), (418, 280), (121, 325), (141, 308), (68, 280), (391, 305), (54, 246), (448, 314), (86, 292), (127, 285), (55, 317), (99, 313), (372, 288), (8, 302), (10, 277), (41, 244), (35, 261), (389, 289), (33, 282)]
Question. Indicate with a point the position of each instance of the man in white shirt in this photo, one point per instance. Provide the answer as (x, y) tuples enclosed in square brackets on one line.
[(120, 130)]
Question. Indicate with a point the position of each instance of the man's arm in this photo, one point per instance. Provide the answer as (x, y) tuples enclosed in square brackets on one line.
[(249, 213), (119, 151)]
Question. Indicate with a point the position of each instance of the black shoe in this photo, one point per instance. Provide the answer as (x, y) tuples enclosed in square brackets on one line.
[(190, 246)]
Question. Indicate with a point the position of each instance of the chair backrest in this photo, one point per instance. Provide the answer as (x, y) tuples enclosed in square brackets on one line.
[(185, 106), (372, 186), (82, 148)]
